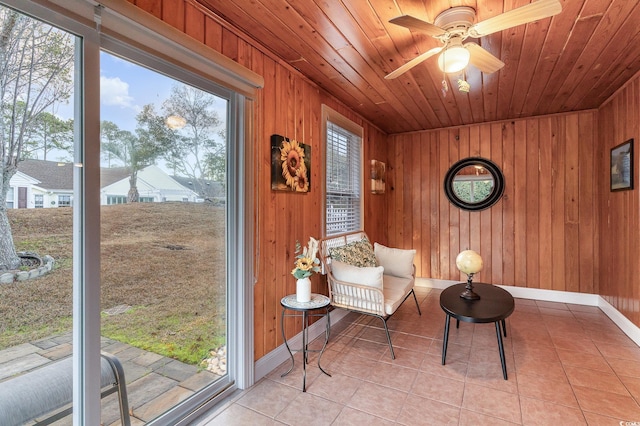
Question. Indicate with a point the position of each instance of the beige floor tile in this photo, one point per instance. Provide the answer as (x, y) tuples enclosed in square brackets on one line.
[(378, 400), (607, 403), (351, 417), (309, 409), (268, 397), (543, 388), (337, 388), (483, 400), (439, 388), (581, 359), (237, 415), (470, 418), (602, 380), (422, 411), (539, 412)]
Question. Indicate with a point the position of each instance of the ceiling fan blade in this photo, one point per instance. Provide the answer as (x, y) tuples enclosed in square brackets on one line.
[(412, 63), (412, 23), (532, 12), (483, 59)]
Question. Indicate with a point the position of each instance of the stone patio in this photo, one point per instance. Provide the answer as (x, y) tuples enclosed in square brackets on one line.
[(154, 383)]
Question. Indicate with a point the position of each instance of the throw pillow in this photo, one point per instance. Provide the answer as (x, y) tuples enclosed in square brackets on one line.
[(370, 276), (396, 262), (357, 253)]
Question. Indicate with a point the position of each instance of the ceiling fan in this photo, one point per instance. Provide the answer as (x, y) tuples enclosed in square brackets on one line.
[(455, 25)]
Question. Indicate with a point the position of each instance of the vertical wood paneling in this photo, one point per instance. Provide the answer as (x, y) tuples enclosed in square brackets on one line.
[(545, 204), (532, 232), (533, 237), (508, 219), (520, 203), (619, 223)]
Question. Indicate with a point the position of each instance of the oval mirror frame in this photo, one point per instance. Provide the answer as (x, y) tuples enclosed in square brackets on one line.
[(491, 199)]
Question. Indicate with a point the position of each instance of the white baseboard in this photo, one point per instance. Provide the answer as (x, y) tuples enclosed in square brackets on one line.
[(627, 327), (270, 361)]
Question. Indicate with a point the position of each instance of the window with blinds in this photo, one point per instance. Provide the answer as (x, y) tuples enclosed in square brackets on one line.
[(344, 200)]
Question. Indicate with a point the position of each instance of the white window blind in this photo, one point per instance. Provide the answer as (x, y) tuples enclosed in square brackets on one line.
[(344, 184)]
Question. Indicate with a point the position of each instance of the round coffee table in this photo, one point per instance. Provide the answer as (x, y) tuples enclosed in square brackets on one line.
[(494, 305)]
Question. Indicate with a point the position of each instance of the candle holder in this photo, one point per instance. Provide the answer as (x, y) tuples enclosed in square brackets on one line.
[(468, 292), (469, 262)]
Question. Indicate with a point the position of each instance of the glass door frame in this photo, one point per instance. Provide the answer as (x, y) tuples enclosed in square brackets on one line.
[(84, 20)]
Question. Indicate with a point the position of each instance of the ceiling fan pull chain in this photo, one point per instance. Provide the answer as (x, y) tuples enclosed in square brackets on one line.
[(445, 86)]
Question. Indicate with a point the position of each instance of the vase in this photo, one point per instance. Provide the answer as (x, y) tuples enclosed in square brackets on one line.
[(303, 290)]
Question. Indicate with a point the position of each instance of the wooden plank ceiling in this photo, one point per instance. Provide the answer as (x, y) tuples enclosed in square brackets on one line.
[(572, 61)]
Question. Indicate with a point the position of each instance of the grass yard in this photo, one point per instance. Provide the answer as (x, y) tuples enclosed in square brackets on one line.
[(164, 260)]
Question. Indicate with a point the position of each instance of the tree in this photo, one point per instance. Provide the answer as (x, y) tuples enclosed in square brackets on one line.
[(47, 133), (137, 151), (199, 145), (36, 68)]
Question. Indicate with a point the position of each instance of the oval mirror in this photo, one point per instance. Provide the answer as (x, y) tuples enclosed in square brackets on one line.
[(474, 183)]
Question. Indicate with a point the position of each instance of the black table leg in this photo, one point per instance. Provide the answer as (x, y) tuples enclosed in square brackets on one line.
[(326, 340), (501, 348), (446, 339), (305, 343), (286, 344), (504, 327)]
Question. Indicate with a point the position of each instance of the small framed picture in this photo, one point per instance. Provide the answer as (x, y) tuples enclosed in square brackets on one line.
[(622, 166), (290, 165)]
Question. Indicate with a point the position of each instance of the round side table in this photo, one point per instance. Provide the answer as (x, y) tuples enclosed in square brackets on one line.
[(305, 310), (495, 305)]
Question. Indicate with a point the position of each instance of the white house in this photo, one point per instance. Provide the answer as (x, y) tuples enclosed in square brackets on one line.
[(41, 184), (154, 186), (45, 184)]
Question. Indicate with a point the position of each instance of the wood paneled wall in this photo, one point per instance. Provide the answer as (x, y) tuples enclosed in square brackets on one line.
[(289, 105), (541, 234), (551, 230), (619, 120)]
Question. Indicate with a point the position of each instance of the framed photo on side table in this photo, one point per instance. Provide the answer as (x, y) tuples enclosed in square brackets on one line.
[(622, 166)]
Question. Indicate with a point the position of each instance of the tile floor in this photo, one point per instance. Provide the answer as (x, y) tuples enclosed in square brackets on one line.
[(567, 364)]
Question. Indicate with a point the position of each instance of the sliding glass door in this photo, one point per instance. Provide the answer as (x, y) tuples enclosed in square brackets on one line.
[(128, 191)]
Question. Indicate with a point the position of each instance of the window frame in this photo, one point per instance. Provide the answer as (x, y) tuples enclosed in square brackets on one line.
[(330, 115)]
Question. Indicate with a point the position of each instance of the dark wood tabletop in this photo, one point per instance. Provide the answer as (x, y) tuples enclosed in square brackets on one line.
[(495, 303)]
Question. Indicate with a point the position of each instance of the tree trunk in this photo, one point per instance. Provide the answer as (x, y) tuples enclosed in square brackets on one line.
[(8, 257), (133, 196)]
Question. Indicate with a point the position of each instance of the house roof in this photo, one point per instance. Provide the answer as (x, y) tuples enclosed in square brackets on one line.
[(54, 175), (51, 174), (207, 189)]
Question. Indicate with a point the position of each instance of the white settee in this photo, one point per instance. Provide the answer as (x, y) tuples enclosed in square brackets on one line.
[(373, 280)]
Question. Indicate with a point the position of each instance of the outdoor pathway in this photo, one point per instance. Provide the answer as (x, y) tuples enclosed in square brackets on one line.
[(154, 383)]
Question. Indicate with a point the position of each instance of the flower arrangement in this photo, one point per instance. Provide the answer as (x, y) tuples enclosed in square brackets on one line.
[(306, 261)]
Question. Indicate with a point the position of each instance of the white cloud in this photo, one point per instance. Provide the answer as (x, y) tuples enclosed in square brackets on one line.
[(115, 92)]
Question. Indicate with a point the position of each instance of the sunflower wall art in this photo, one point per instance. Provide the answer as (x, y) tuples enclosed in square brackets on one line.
[(290, 165)]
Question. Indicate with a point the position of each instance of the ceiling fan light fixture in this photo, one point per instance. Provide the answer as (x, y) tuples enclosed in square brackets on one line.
[(454, 59)]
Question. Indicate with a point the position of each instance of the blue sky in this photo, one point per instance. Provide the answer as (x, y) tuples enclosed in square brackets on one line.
[(125, 88)]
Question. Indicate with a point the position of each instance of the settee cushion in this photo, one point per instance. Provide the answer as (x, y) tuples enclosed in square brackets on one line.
[(395, 289), (366, 275), (396, 262), (356, 253)]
